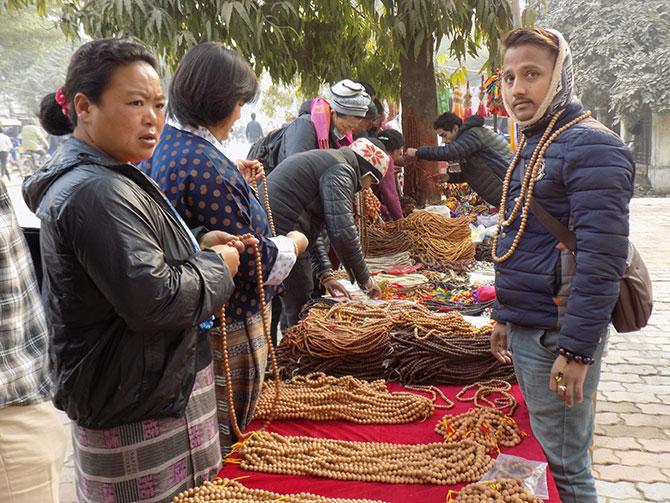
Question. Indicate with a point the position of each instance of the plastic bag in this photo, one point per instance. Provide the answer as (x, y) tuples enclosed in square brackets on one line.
[(532, 473)]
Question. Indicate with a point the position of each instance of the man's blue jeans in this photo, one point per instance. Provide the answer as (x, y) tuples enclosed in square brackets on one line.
[(565, 434)]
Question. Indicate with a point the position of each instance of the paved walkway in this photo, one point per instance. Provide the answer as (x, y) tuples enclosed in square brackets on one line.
[(632, 454), (632, 444)]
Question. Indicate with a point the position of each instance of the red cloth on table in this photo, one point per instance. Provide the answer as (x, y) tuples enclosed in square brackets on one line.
[(412, 433)]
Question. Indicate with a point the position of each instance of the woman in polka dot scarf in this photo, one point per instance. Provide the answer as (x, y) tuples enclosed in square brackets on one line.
[(207, 91)]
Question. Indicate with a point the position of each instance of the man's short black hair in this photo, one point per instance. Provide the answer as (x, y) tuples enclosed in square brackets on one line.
[(447, 121)]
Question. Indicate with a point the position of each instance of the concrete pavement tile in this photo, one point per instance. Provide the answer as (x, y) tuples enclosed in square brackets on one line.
[(622, 378), (605, 406), (663, 380), (608, 418), (624, 396), (619, 443), (655, 492), (617, 489), (622, 430), (653, 408), (659, 421), (614, 473), (640, 458), (630, 369), (655, 445), (605, 457)]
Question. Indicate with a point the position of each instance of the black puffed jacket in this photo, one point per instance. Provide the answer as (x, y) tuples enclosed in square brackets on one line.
[(313, 190), (124, 287)]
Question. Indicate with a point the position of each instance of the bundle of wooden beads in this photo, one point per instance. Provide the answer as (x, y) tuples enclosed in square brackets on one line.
[(320, 397), (443, 358), (231, 491), (488, 427), (443, 463), (493, 393), (496, 491), (357, 327)]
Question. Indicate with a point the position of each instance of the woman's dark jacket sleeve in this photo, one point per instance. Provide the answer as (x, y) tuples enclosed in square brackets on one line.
[(337, 188)]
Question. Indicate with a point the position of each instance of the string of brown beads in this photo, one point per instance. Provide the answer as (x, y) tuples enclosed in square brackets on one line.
[(266, 199), (527, 186), (268, 339), (488, 427), (320, 397), (230, 491), (496, 491), (359, 327), (443, 463), (483, 391)]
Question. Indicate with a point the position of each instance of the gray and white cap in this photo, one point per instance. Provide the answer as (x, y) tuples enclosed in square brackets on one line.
[(349, 98)]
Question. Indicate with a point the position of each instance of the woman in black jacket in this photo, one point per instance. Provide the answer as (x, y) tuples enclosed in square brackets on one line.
[(127, 286), (313, 191)]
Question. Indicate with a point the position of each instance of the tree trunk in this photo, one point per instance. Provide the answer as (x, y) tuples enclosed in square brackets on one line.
[(418, 96)]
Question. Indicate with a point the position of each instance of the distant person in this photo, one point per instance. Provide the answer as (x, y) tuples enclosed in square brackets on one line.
[(5, 148), (484, 155), (254, 130), (33, 140)]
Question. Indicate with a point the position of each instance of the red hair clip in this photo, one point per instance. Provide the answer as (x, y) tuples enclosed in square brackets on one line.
[(62, 101)]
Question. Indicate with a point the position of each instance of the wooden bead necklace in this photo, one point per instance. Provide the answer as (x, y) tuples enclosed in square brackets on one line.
[(488, 427), (527, 185), (443, 463), (260, 289), (495, 491), (320, 397), (483, 390), (225, 357), (230, 491)]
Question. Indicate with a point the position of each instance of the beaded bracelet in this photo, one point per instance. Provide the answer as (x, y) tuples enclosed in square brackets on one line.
[(586, 360), (327, 276)]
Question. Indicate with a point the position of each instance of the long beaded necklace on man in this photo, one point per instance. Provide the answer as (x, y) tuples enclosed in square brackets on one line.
[(260, 289), (527, 184)]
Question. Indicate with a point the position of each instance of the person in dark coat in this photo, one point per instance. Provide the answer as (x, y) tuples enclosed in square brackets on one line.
[(348, 106), (553, 308), (128, 287), (484, 155), (313, 191)]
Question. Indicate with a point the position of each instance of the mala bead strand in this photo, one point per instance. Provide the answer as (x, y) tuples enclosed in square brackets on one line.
[(483, 390), (530, 177), (320, 397), (488, 427), (231, 491), (225, 358), (444, 463)]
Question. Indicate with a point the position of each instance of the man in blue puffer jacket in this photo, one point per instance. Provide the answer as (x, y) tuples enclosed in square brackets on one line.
[(554, 308)]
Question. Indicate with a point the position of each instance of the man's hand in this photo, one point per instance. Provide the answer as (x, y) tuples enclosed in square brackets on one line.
[(372, 289), (499, 345), (335, 288), (251, 170), (217, 238), (567, 380), (410, 152), (230, 256), (300, 242)]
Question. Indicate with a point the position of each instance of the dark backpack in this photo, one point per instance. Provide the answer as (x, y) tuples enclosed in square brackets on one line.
[(266, 150)]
